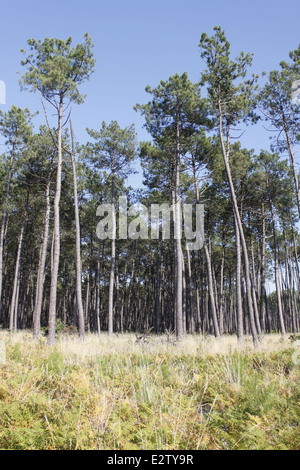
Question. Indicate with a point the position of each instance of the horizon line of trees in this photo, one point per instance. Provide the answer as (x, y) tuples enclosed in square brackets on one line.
[(52, 264)]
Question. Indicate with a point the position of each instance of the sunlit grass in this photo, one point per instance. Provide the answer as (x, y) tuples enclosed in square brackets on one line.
[(117, 393)]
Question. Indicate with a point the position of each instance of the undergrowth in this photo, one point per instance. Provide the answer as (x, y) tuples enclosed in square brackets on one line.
[(122, 395)]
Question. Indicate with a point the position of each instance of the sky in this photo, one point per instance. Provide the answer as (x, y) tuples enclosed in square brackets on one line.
[(140, 42)]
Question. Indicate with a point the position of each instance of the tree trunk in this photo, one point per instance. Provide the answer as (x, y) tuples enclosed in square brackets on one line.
[(239, 300), (42, 263), (158, 291), (3, 224), (292, 161), (263, 268), (113, 261), (14, 301), (213, 309), (277, 280), (238, 222), (209, 275), (56, 233), (191, 323), (79, 302), (222, 303), (97, 306), (177, 241)]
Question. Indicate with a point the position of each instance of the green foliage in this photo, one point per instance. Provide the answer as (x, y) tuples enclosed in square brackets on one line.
[(175, 102), (54, 362), (114, 148), (147, 400), (60, 326), (15, 126), (55, 69), (228, 87), (16, 353)]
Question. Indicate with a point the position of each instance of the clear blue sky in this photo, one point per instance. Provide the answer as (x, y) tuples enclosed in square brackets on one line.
[(140, 42)]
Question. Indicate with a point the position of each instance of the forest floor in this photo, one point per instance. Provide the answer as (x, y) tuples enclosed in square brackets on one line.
[(122, 394)]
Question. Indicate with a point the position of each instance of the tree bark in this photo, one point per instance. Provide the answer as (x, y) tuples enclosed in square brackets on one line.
[(276, 266), (42, 263), (238, 222), (292, 161), (263, 268), (239, 300), (113, 261), (209, 276), (3, 224), (178, 248), (56, 233), (14, 301), (79, 302)]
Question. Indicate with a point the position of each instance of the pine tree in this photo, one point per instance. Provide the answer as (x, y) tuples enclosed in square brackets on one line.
[(56, 69)]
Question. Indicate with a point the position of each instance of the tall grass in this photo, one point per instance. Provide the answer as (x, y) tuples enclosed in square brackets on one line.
[(120, 394)]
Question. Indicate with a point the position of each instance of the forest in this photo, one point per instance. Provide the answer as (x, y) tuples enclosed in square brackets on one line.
[(54, 269), (164, 316)]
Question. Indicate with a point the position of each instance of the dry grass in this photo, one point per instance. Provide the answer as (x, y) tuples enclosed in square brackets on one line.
[(117, 393), (194, 345)]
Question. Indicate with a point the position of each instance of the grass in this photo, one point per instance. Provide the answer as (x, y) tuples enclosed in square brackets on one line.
[(119, 394)]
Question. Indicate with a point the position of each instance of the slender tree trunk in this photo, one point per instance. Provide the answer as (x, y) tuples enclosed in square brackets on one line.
[(239, 299), (241, 230), (190, 290), (113, 262), (87, 304), (123, 301), (158, 291), (3, 224), (178, 248), (263, 268), (222, 306), (79, 302), (292, 161), (277, 280), (42, 264), (184, 295), (209, 275), (56, 233), (295, 253), (213, 309), (97, 306), (253, 282), (14, 300), (117, 302)]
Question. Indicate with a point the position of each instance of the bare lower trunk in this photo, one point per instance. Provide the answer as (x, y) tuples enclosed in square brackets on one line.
[(191, 324), (41, 270), (239, 300), (292, 162), (97, 307), (178, 248), (79, 302), (277, 280), (209, 275), (56, 234), (238, 222), (14, 301), (222, 302), (263, 270), (213, 309), (112, 266), (3, 224), (157, 291)]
